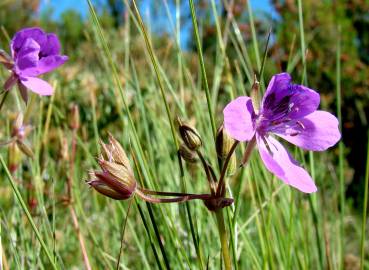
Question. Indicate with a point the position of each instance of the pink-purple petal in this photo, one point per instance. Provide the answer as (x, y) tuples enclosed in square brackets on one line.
[(238, 119), (279, 162), (37, 86), (278, 84), (316, 132), (303, 101), (19, 39), (285, 100), (51, 46), (28, 55), (46, 64)]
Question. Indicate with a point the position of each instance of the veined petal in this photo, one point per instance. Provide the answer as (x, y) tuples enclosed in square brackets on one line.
[(278, 85), (279, 162), (303, 101), (27, 56), (285, 100), (37, 86), (238, 119), (316, 131)]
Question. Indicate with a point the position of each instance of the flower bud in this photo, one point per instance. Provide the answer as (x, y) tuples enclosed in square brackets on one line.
[(14, 157), (99, 183), (64, 148), (6, 60), (189, 135), (232, 165), (187, 154), (116, 180), (224, 142), (74, 117), (25, 148), (19, 130)]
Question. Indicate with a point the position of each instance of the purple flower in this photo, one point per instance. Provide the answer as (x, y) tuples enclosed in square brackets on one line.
[(33, 53), (289, 111)]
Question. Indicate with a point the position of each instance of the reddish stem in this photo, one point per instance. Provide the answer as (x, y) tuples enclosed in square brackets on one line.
[(185, 198), (221, 184)]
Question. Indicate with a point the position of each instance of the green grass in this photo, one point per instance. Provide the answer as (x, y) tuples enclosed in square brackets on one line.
[(135, 91)]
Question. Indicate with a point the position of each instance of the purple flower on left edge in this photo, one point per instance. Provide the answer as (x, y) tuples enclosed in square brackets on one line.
[(33, 53), (289, 111)]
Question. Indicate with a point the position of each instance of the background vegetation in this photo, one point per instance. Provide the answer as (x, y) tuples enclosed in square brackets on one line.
[(322, 43)]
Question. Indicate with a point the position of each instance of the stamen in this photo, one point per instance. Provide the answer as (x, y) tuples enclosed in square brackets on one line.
[(267, 146), (300, 124), (294, 133), (290, 106)]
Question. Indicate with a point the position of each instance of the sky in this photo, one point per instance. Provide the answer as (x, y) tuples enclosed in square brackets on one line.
[(59, 6)]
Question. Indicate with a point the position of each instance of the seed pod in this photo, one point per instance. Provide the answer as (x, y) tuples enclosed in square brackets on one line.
[(187, 154), (189, 135), (223, 142)]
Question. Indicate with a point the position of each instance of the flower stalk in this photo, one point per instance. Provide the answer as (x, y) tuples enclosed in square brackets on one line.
[(223, 239)]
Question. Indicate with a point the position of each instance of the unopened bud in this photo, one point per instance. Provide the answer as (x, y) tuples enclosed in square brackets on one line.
[(100, 182), (189, 135), (255, 95), (187, 154), (232, 165), (19, 130), (116, 180), (17, 124), (74, 117), (224, 142), (25, 148), (120, 172), (64, 148), (14, 157)]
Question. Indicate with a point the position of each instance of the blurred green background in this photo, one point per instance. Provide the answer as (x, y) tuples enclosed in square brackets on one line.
[(83, 79)]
